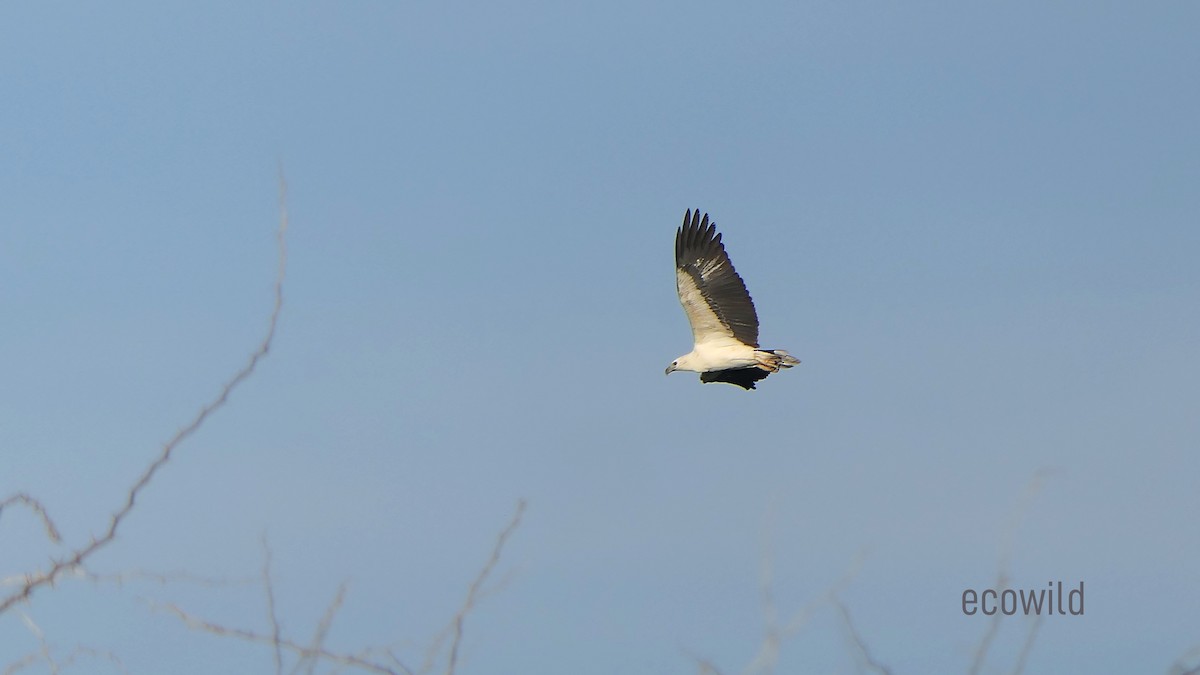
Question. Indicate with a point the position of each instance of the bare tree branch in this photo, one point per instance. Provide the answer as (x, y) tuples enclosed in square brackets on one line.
[(161, 578), (1181, 665), (315, 653), (57, 665), (323, 625), (1006, 548), (477, 585), (35, 506), (23, 663), (46, 654), (707, 667), (271, 615), (77, 558), (304, 652), (1023, 657), (455, 628), (863, 652), (774, 635)]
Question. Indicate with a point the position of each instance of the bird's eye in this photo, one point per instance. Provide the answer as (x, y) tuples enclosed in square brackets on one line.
[(674, 363)]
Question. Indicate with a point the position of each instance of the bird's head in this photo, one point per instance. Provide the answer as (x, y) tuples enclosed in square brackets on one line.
[(681, 363)]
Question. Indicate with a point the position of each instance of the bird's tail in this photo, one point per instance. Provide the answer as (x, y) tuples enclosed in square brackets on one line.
[(771, 360)]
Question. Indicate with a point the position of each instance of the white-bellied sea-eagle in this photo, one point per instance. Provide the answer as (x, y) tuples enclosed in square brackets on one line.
[(717, 304)]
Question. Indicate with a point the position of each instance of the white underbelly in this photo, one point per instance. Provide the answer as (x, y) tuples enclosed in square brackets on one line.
[(724, 356)]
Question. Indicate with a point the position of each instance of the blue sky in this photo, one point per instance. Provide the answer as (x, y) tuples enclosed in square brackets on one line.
[(977, 226)]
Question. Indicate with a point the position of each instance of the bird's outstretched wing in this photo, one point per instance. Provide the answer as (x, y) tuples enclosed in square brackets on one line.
[(713, 296)]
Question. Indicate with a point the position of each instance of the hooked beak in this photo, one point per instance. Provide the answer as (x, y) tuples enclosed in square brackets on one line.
[(670, 369)]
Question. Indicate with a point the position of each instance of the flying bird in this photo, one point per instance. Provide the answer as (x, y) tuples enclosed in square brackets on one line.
[(717, 304)]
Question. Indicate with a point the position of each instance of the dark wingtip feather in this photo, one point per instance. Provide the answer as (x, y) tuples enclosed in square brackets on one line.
[(696, 232), (690, 233)]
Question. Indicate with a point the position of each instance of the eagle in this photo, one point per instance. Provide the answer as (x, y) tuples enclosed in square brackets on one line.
[(719, 308)]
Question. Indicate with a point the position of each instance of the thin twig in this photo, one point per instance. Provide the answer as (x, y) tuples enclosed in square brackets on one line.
[(45, 653), (1023, 657), (23, 663), (396, 660), (43, 646), (81, 554), (67, 661), (271, 615), (863, 652), (455, 628), (160, 578), (985, 642), (323, 626), (35, 506), (1179, 669), (774, 635), (473, 593), (1006, 548), (1181, 665), (304, 652)]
